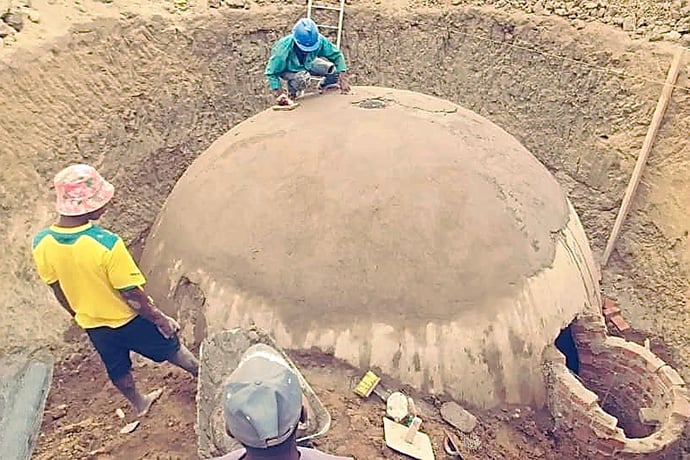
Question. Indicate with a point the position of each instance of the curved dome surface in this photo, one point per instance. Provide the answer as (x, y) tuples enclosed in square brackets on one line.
[(393, 229)]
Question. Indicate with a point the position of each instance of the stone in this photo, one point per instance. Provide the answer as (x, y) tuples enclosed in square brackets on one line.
[(629, 23), (34, 16), (457, 416), (14, 20), (591, 5), (58, 412), (538, 8), (235, 3), (214, 3), (579, 24), (6, 30), (672, 36)]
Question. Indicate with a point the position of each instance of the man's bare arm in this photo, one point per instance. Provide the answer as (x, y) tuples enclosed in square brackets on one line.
[(144, 306), (61, 298)]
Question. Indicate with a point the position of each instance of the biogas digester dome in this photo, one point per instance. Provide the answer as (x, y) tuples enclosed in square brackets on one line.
[(392, 229)]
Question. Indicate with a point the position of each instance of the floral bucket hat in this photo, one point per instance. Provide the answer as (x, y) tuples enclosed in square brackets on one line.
[(80, 190)]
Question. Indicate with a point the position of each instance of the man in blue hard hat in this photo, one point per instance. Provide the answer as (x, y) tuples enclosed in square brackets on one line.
[(300, 54)]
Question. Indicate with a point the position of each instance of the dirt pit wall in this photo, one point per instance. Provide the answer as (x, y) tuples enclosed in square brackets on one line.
[(140, 97)]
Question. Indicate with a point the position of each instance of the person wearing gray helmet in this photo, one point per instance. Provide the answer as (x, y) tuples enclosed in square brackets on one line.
[(262, 406)]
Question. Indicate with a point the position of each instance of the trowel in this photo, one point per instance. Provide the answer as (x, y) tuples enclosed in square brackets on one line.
[(408, 440)]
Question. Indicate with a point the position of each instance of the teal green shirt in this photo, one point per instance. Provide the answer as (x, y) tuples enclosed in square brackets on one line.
[(284, 59)]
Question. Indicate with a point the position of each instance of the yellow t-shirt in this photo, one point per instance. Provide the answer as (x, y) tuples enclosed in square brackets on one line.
[(91, 264)]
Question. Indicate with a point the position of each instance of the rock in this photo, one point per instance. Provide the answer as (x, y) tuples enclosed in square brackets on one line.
[(683, 27), (34, 16), (130, 427), (672, 36), (14, 20), (235, 3), (579, 24), (538, 8), (214, 3), (655, 37), (561, 12), (59, 411), (458, 417), (6, 30), (629, 23), (590, 5)]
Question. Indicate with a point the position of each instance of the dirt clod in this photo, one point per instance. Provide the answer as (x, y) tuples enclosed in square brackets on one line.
[(14, 20)]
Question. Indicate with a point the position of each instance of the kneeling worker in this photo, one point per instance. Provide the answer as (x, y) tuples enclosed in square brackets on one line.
[(262, 408), (300, 54)]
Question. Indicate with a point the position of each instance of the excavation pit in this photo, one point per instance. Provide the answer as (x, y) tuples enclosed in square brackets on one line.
[(143, 97)]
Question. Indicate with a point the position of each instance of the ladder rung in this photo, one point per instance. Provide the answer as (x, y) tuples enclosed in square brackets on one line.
[(324, 7), (323, 26)]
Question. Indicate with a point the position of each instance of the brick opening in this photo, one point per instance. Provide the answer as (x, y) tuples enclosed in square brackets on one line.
[(624, 402), (566, 345)]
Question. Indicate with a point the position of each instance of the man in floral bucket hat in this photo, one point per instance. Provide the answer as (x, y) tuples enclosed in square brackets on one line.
[(94, 278)]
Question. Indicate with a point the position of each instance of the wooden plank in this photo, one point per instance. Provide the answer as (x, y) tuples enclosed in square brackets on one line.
[(644, 153)]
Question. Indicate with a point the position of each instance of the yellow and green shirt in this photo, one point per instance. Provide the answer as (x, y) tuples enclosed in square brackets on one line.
[(91, 264)]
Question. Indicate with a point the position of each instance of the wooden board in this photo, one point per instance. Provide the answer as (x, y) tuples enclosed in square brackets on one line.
[(644, 153)]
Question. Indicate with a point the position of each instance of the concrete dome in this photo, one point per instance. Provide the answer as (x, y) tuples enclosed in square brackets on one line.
[(417, 237)]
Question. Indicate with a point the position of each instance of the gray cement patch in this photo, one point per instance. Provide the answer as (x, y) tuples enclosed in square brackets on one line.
[(24, 385)]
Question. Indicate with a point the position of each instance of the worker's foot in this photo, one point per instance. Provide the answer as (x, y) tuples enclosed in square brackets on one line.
[(148, 401)]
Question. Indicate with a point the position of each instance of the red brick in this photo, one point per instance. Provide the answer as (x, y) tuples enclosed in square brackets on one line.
[(608, 303), (611, 311), (610, 446), (585, 357), (621, 324)]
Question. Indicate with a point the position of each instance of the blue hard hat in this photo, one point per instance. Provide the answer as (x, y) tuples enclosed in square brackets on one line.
[(306, 35)]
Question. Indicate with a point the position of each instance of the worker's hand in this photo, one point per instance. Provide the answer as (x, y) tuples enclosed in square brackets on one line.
[(167, 326), (344, 82)]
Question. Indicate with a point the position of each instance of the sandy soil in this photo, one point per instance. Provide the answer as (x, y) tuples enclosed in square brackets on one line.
[(80, 420), (116, 84)]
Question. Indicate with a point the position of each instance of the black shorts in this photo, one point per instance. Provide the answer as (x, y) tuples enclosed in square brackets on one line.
[(139, 335)]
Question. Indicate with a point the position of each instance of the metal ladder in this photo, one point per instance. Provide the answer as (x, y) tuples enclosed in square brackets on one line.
[(339, 9)]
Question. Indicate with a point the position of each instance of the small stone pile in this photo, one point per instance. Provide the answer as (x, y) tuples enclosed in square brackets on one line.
[(652, 20), (236, 4), (12, 22)]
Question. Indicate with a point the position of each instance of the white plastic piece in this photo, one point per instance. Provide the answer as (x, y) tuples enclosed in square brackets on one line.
[(397, 406)]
